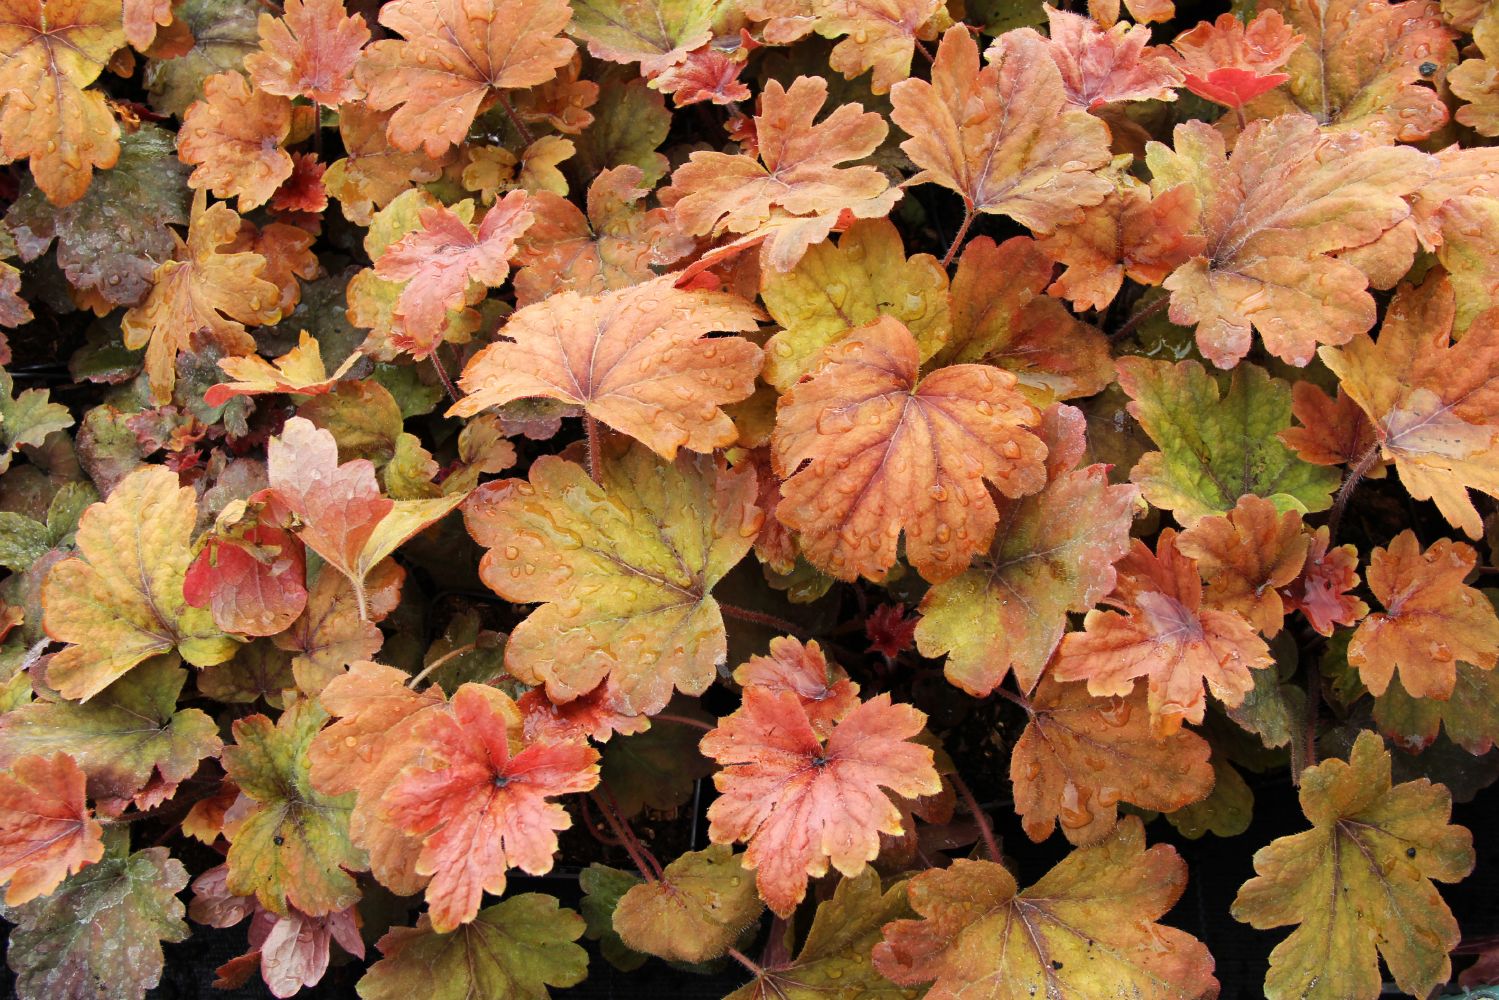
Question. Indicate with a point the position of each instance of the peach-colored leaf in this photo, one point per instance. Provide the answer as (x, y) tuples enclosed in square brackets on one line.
[(233, 139), (309, 51), (1323, 590), (300, 371), (1245, 555), (46, 830), (803, 669), (1232, 63), (1101, 66), (373, 171)]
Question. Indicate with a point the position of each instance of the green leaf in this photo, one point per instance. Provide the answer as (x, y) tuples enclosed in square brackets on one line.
[(122, 737), (630, 121), (99, 935), (656, 769), (1226, 811), (22, 541), (110, 240), (511, 951), (695, 912), (292, 847), (26, 419), (1216, 447), (224, 32), (603, 887)]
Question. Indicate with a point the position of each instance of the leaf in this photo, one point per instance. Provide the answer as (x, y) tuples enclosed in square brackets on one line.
[(1362, 871), (834, 290), (1081, 755), (1003, 136), (589, 717), (289, 846), (26, 419), (835, 957), (336, 628), (449, 64), (1431, 619), (343, 516), (614, 246), (1322, 591), (1226, 812), (658, 769), (630, 121), (1273, 214), (1361, 65), (602, 888), (481, 804), (300, 371), (878, 35), (1102, 65), (309, 51), (866, 414), (46, 830), (1088, 927), (131, 740), (1245, 555), (373, 171), (1165, 636), (1473, 81), (637, 359), (364, 751), (1432, 401), (220, 34), (1130, 234), (120, 601), (706, 74), (802, 803), (793, 193), (1470, 716), (513, 951), (696, 910), (251, 579), (439, 261), (655, 33), (627, 568), (233, 138), (1217, 446), (1231, 62), (1333, 431), (822, 687), (110, 240), (1053, 553), (100, 934), (23, 542), (200, 291), (52, 50)]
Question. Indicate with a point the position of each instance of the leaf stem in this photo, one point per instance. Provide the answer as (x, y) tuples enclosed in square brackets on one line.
[(683, 720), (760, 618), (1345, 492), (444, 658), (1144, 314), (957, 241), (979, 816), (520, 126), (1309, 737), (1016, 699), (647, 865), (749, 963), (442, 373), (595, 449)]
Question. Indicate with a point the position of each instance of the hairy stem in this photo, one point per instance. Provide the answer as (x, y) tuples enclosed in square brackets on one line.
[(451, 654), (683, 720), (759, 618), (649, 868), (595, 449), (749, 963), (979, 816), (1134, 321), (520, 126), (957, 241), (442, 373), (1345, 492)]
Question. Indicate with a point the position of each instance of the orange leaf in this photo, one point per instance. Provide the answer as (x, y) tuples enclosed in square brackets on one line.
[(636, 359), (1245, 555), (879, 35), (1003, 136), (455, 57), (201, 291), (299, 371), (1167, 637), (439, 260), (1081, 755), (792, 194), (886, 450), (233, 137), (822, 687), (373, 171), (480, 807), (51, 51), (1333, 431), (592, 716), (1321, 592), (1101, 66), (46, 830), (1232, 63), (802, 803), (309, 51), (1431, 619)]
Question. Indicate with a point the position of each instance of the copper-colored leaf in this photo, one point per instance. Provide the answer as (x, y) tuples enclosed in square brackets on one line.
[(1245, 555), (309, 51), (1231, 62), (802, 669), (46, 830), (233, 137)]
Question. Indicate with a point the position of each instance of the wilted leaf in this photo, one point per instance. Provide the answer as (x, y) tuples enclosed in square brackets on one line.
[(1359, 880), (1086, 929), (694, 912), (627, 566)]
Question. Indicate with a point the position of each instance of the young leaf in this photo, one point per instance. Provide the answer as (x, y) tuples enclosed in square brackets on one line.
[(46, 830), (1086, 929), (695, 912), (842, 436), (637, 359), (52, 50), (514, 950), (1274, 212), (309, 51), (588, 717), (822, 687), (455, 57), (1214, 450), (1231, 62), (344, 518), (289, 843), (622, 565), (1322, 591), (802, 803), (1359, 880), (1053, 553), (120, 602), (1081, 755), (130, 740), (1165, 636), (1101, 66), (100, 934), (1431, 619), (481, 804), (1245, 555), (1432, 400), (1003, 136)]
